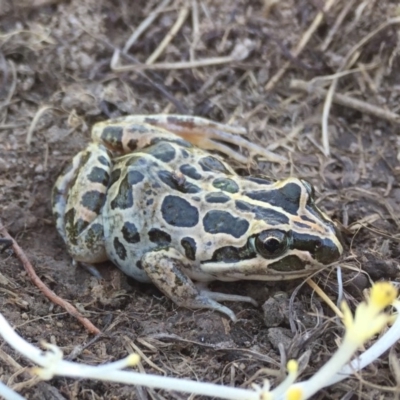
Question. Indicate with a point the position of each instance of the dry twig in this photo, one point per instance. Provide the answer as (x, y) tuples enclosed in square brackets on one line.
[(339, 20), (325, 297), (34, 122), (169, 36), (348, 61), (170, 65), (43, 288), (301, 45), (144, 25), (348, 101)]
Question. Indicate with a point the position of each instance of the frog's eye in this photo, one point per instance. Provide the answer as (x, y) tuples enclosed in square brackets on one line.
[(270, 244)]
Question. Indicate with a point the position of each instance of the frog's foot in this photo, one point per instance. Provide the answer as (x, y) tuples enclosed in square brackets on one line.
[(165, 268), (217, 296), (89, 268), (201, 132)]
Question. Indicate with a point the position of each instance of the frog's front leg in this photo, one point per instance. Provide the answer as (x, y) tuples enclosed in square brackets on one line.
[(165, 267), (78, 198)]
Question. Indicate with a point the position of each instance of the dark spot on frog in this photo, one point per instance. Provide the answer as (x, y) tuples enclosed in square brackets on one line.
[(216, 221), (132, 144), (287, 264), (99, 175), (138, 128), (287, 197), (226, 184), (151, 121), (305, 218), (139, 264), (119, 249), (130, 233), (179, 212), (184, 153), (103, 160), (148, 192), (94, 233), (162, 151), (159, 237), (190, 247), (177, 140), (112, 135), (135, 177), (190, 171), (175, 120), (196, 198), (149, 202), (232, 254), (83, 160), (124, 198), (81, 225), (258, 180), (174, 182), (272, 217), (134, 160), (74, 229), (96, 228), (93, 200), (210, 163), (301, 225), (69, 216), (217, 197), (115, 174)]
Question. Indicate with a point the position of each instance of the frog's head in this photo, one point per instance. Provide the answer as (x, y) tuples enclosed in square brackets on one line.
[(288, 235)]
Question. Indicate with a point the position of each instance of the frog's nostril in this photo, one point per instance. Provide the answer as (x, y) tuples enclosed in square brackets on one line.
[(326, 251)]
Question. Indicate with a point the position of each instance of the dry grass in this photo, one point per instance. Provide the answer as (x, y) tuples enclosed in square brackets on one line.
[(315, 82)]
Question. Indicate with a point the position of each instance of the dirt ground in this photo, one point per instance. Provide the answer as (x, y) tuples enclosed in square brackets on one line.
[(57, 78)]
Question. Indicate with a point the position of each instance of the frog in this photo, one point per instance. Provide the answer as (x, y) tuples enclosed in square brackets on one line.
[(154, 195)]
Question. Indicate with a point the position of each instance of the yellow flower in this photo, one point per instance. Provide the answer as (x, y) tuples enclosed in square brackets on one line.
[(292, 366), (382, 294), (294, 393), (369, 319)]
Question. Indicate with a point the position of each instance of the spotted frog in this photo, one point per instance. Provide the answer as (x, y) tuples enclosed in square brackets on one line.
[(146, 195)]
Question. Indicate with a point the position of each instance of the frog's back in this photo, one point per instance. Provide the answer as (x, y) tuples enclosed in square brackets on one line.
[(161, 197), (173, 195)]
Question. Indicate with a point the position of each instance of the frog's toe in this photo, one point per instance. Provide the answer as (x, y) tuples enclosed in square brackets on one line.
[(89, 268), (204, 301), (92, 270), (228, 297)]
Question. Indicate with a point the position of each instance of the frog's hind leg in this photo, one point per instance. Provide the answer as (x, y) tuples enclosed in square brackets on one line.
[(78, 198), (129, 133)]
